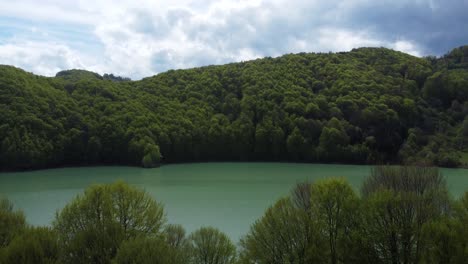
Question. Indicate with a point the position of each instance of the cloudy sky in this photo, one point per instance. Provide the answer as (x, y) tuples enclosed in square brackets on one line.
[(141, 38)]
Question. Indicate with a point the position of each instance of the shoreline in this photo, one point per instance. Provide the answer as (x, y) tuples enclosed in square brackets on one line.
[(463, 167)]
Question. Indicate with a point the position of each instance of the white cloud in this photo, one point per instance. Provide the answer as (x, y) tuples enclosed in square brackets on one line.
[(345, 40), (407, 47), (52, 11), (141, 38), (42, 58)]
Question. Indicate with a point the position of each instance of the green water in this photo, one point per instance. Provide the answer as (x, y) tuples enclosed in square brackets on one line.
[(230, 196)]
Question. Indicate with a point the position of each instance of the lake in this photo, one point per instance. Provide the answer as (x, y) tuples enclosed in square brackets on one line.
[(229, 196)]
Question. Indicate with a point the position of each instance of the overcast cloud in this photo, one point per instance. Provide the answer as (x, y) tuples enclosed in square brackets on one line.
[(141, 38)]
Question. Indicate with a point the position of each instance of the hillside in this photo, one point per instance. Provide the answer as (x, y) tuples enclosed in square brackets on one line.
[(370, 105)]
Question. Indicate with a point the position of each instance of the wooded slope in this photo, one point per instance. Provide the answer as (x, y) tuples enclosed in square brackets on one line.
[(370, 105)]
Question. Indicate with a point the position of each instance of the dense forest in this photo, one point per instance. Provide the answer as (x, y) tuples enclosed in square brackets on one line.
[(366, 106), (401, 215)]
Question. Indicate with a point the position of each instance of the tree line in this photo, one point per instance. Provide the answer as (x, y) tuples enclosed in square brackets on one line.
[(366, 106), (401, 215)]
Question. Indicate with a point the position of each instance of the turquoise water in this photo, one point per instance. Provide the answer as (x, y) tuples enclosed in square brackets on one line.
[(230, 196)]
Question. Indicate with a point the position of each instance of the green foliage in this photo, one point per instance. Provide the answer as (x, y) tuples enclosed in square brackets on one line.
[(463, 135), (210, 246), (399, 202), (445, 241), (444, 87), (333, 203), (318, 223), (34, 246), (152, 156), (332, 142), (170, 247), (175, 235), (446, 237), (464, 159), (77, 75), (410, 147), (178, 242), (145, 250), (300, 107), (296, 145), (285, 234), (12, 222), (92, 226), (403, 216)]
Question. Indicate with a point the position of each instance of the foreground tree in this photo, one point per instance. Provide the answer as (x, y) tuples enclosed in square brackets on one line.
[(179, 243), (145, 250), (301, 196), (287, 233), (210, 246), (12, 222), (93, 225), (36, 245), (447, 237), (335, 206), (169, 248), (399, 202)]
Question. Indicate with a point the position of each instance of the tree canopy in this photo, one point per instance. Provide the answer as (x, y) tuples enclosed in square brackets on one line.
[(93, 225), (369, 105), (403, 215)]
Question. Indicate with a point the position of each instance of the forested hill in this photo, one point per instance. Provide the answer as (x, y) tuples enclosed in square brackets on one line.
[(370, 105)]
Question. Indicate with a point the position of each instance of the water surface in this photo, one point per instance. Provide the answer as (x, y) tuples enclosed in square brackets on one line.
[(230, 196)]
